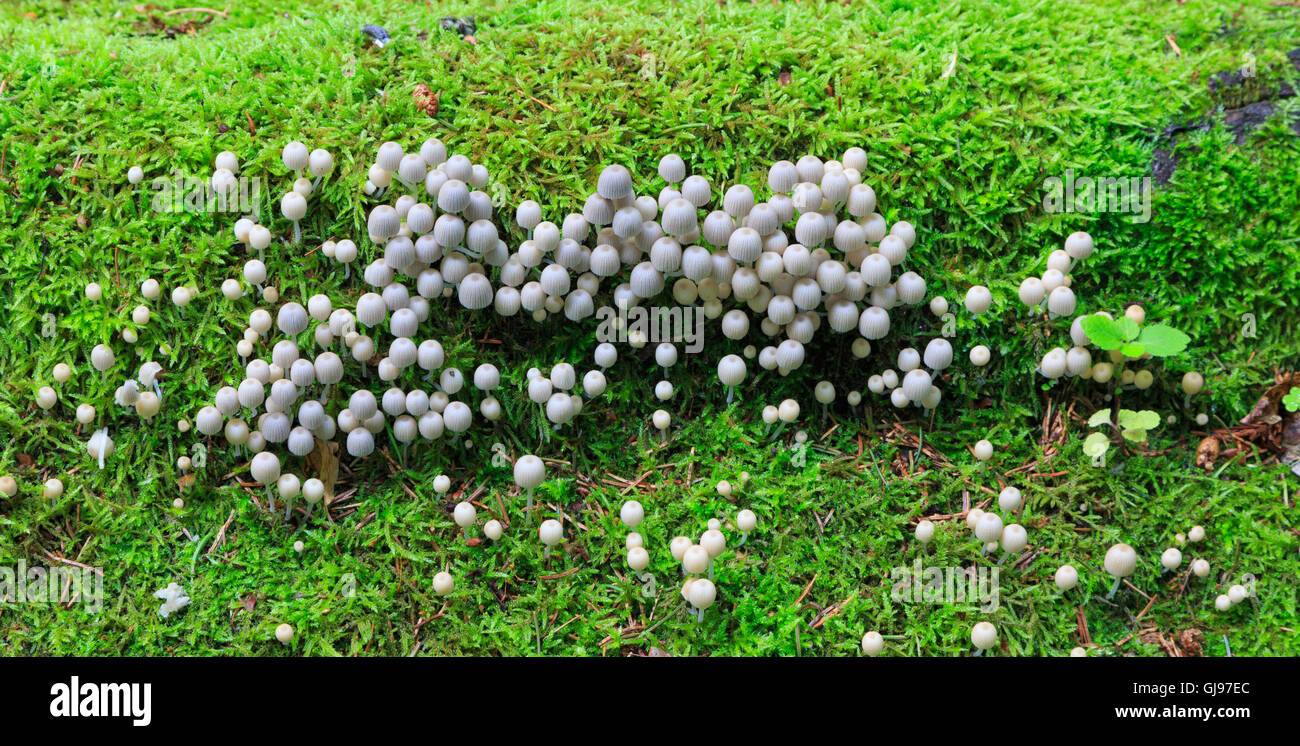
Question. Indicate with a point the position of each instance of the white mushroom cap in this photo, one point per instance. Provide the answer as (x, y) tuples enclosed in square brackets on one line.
[(746, 521), (1066, 577), (465, 514), (265, 467), (1171, 558), (295, 156), (1032, 291), (978, 299), (293, 206), (101, 357), (672, 168), (695, 560), (989, 528), (916, 385), (984, 635), (443, 583), (1120, 560), (924, 531), (788, 411), (1061, 301), (1010, 499), (1014, 538), (702, 593), (614, 183), (1200, 567), (638, 558), (872, 643), (551, 532), (713, 541), (1079, 245), (1196, 533), (631, 513), (284, 634), (529, 471), (134, 175)]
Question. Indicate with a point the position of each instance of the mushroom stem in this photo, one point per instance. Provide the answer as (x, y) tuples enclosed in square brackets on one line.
[(316, 184), (699, 616), (270, 496), (1003, 558), (777, 433), (102, 433), (157, 389), (325, 393), (731, 392), (310, 507), (530, 502), (288, 507), (744, 536), (297, 231), (1114, 588), (978, 653), (347, 270)]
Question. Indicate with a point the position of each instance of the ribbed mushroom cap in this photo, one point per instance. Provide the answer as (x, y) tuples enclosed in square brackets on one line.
[(697, 191), (453, 196), (529, 471), (1061, 301), (1079, 245), (938, 354), (475, 291), (295, 156), (265, 467), (329, 368), (1120, 560), (874, 323), (679, 218), (745, 245), (383, 223), (672, 168), (916, 384), (978, 299), (614, 183)]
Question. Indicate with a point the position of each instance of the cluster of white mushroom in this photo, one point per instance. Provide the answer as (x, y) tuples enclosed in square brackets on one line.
[(142, 394), (696, 557)]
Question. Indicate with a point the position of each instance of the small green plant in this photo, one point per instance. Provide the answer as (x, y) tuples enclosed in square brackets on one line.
[(1292, 399), (1124, 334), (1133, 425)]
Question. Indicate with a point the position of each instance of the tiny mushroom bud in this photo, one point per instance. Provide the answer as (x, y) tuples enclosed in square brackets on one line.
[(1195, 534), (1120, 561), (52, 489), (631, 514), (1066, 577), (984, 636), (924, 531), (1171, 558), (1200, 568), (284, 633), (551, 532), (873, 643), (465, 514)]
